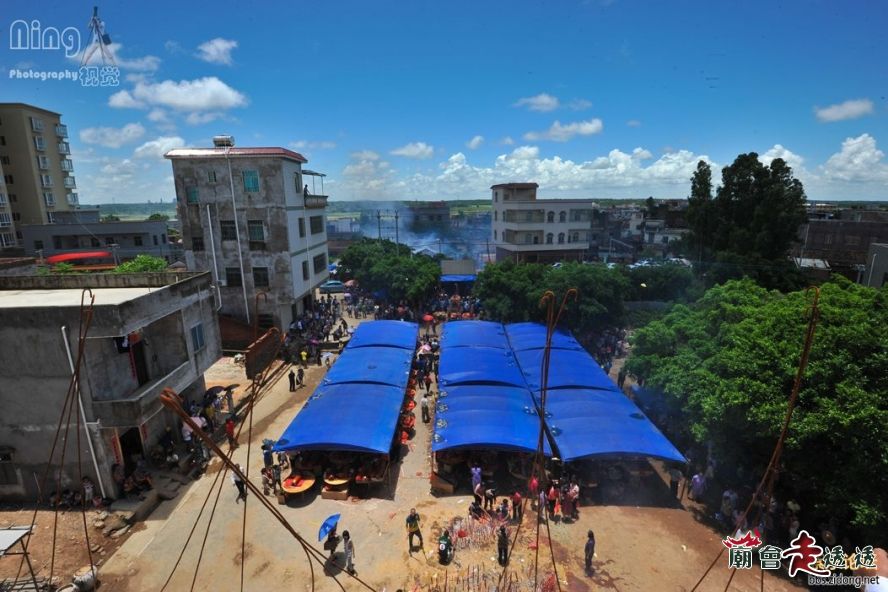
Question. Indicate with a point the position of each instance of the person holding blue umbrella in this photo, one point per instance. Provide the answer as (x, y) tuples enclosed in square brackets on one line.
[(328, 529)]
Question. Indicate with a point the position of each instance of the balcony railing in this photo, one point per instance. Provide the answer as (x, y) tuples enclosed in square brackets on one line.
[(70, 183), (67, 165), (64, 148), (315, 201), (73, 199), (61, 131)]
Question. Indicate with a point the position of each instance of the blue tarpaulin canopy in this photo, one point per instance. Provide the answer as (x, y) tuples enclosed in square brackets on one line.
[(371, 365), (454, 277), (352, 417), (524, 336), (487, 417), (473, 334), (586, 423), (385, 334), (478, 365), (567, 369)]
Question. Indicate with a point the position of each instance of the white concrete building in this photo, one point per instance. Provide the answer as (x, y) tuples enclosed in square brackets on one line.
[(249, 216), (526, 229)]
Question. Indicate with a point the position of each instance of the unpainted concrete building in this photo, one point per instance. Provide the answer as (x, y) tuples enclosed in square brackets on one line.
[(149, 331), (249, 217)]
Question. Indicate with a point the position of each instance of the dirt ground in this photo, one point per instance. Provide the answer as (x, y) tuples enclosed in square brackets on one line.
[(648, 542)]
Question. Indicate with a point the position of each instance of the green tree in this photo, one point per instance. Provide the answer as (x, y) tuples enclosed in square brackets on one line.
[(383, 266), (142, 264), (158, 217), (725, 367), (110, 218), (508, 291), (700, 208), (668, 282)]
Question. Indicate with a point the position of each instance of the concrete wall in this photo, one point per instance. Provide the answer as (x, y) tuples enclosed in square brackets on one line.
[(35, 378)]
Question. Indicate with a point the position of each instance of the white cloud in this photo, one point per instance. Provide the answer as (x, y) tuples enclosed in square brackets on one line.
[(541, 102), (580, 104), (216, 51), (365, 155), (197, 118), (158, 116), (414, 150), (158, 147), (633, 123), (307, 145), (148, 63), (202, 94), (507, 141), (112, 137), (795, 161), (859, 161), (475, 142), (562, 133), (851, 109), (367, 176)]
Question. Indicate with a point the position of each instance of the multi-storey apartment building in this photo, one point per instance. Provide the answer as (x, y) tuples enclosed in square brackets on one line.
[(38, 174), (526, 229), (249, 216)]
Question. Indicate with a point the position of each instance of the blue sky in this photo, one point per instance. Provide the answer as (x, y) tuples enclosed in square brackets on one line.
[(425, 100)]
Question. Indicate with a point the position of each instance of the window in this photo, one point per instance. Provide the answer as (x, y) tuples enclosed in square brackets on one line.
[(8, 474), (50, 218), (316, 224), (256, 230), (495, 215), (72, 199), (528, 216), (549, 237), (228, 230), (67, 165), (64, 148), (42, 161), (5, 159), (562, 216), (197, 243), (6, 240), (550, 217), (70, 183), (8, 179), (38, 245), (191, 195), (197, 337), (260, 277), (536, 240), (494, 236), (211, 176), (2, 199), (36, 124), (561, 238), (305, 270), (320, 263), (39, 142), (251, 181), (233, 277), (48, 199), (46, 180), (301, 227), (154, 236), (16, 217), (137, 240), (5, 219), (2, 140), (576, 237), (496, 196)]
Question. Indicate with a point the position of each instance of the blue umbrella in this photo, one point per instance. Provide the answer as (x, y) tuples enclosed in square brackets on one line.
[(328, 525)]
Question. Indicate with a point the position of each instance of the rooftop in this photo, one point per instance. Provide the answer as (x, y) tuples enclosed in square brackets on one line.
[(68, 297), (28, 107), (235, 152), (516, 185)]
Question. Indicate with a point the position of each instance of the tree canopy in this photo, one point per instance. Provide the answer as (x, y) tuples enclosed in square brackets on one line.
[(158, 217), (385, 267), (142, 264), (750, 224), (726, 365)]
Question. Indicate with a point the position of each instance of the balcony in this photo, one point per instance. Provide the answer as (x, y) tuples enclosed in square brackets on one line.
[(61, 131), (67, 165), (70, 183), (64, 148), (5, 220), (315, 201), (3, 200), (134, 408), (73, 199)]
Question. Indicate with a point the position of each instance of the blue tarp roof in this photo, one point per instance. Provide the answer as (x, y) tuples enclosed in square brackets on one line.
[(378, 365), (474, 333), (454, 277), (385, 334), (487, 417), (588, 423), (353, 417), (567, 369), (478, 365), (524, 336)]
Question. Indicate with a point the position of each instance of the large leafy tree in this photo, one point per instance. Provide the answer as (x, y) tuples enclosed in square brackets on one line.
[(725, 367), (381, 266), (751, 223)]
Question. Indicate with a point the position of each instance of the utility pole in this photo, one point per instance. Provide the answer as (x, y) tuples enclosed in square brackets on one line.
[(379, 224)]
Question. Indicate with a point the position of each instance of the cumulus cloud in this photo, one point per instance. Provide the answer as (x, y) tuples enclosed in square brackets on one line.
[(507, 141), (217, 51), (158, 147), (475, 142), (306, 145), (559, 132), (858, 161), (418, 150), (579, 104), (541, 102), (202, 94), (367, 176), (197, 118), (148, 63), (112, 137), (795, 161), (851, 109)]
